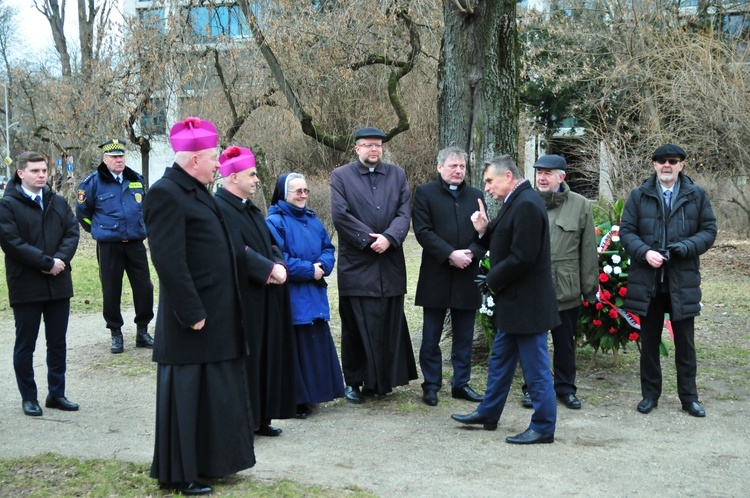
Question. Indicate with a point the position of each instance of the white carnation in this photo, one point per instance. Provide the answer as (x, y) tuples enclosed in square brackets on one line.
[(607, 269), (616, 258), (617, 270)]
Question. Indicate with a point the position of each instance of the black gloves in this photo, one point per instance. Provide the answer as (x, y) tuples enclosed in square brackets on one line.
[(678, 249), (481, 282)]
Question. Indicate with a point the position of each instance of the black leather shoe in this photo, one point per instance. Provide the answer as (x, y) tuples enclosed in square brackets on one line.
[(353, 395), (475, 418), (303, 411), (143, 339), (570, 401), (526, 400), (268, 431), (370, 393), (430, 397), (31, 408), (694, 408), (530, 436), (466, 393), (117, 345), (61, 403), (646, 405), (192, 488)]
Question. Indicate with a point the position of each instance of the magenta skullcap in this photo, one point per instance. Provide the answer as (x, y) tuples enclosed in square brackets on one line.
[(235, 159), (193, 134)]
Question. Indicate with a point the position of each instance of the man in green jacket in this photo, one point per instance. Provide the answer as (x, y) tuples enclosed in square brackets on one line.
[(574, 268)]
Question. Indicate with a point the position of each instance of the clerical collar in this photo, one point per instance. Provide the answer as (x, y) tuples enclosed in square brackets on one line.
[(453, 187)]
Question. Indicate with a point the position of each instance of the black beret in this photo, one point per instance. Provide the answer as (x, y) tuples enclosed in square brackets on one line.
[(552, 161), (668, 150), (368, 132)]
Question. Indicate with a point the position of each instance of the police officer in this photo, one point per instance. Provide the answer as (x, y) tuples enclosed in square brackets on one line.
[(110, 205)]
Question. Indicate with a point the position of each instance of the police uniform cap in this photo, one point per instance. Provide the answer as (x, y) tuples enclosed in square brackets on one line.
[(113, 147), (668, 150), (552, 161), (368, 132)]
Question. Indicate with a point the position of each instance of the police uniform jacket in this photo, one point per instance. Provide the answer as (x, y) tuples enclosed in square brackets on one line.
[(31, 238), (192, 254), (361, 204), (111, 211), (442, 224), (644, 227), (521, 269)]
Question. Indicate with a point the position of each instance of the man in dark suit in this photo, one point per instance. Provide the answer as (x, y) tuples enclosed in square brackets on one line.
[(39, 236), (526, 307), (441, 217), (203, 415)]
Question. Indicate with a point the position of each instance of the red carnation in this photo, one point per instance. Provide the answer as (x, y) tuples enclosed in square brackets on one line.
[(633, 336), (232, 151), (603, 277), (623, 290), (596, 322), (606, 295), (613, 314), (585, 304), (192, 122), (599, 306), (612, 330), (598, 231)]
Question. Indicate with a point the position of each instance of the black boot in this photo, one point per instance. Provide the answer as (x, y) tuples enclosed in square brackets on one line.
[(117, 346), (143, 339)]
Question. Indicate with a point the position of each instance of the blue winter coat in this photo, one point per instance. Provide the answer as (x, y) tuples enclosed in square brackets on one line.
[(112, 212), (304, 242)]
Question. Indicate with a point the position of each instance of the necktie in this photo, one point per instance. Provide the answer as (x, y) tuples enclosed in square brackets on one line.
[(119, 179), (668, 199), (38, 200)]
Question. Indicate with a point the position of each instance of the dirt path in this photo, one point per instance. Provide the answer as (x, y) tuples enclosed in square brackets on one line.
[(399, 446)]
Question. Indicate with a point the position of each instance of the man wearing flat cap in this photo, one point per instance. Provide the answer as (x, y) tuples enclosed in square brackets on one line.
[(203, 414), (110, 207), (574, 268), (371, 207), (666, 225)]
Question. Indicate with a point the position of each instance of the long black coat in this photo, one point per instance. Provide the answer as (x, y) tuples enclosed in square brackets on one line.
[(521, 267), (32, 239), (267, 310), (442, 224), (359, 208), (192, 254), (644, 228)]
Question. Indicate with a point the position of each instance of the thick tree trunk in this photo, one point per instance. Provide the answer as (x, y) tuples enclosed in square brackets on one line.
[(478, 91)]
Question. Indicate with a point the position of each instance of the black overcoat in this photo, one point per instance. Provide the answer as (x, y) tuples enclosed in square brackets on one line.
[(442, 224), (361, 204), (521, 267), (192, 254), (31, 239), (644, 227), (266, 308)]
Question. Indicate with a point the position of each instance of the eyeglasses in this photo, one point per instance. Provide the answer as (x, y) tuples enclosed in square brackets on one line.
[(301, 191), (371, 146), (672, 161)]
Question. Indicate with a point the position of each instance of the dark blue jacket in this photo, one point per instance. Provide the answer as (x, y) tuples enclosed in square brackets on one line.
[(110, 211), (304, 242)]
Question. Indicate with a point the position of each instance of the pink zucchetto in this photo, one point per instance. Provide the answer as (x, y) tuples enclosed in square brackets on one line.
[(193, 134), (235, 159)]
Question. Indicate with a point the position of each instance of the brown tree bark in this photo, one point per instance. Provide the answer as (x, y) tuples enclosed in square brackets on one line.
[(478, 90)]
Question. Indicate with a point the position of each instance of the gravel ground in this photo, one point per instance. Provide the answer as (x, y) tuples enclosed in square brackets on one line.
[(399, 446)]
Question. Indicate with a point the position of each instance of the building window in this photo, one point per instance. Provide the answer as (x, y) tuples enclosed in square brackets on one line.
[(154, 119)]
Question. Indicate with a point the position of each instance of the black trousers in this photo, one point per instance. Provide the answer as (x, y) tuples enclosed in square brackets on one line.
[(564, 356), (430, 356), (684, 343), (28, 318), (116, 258)]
